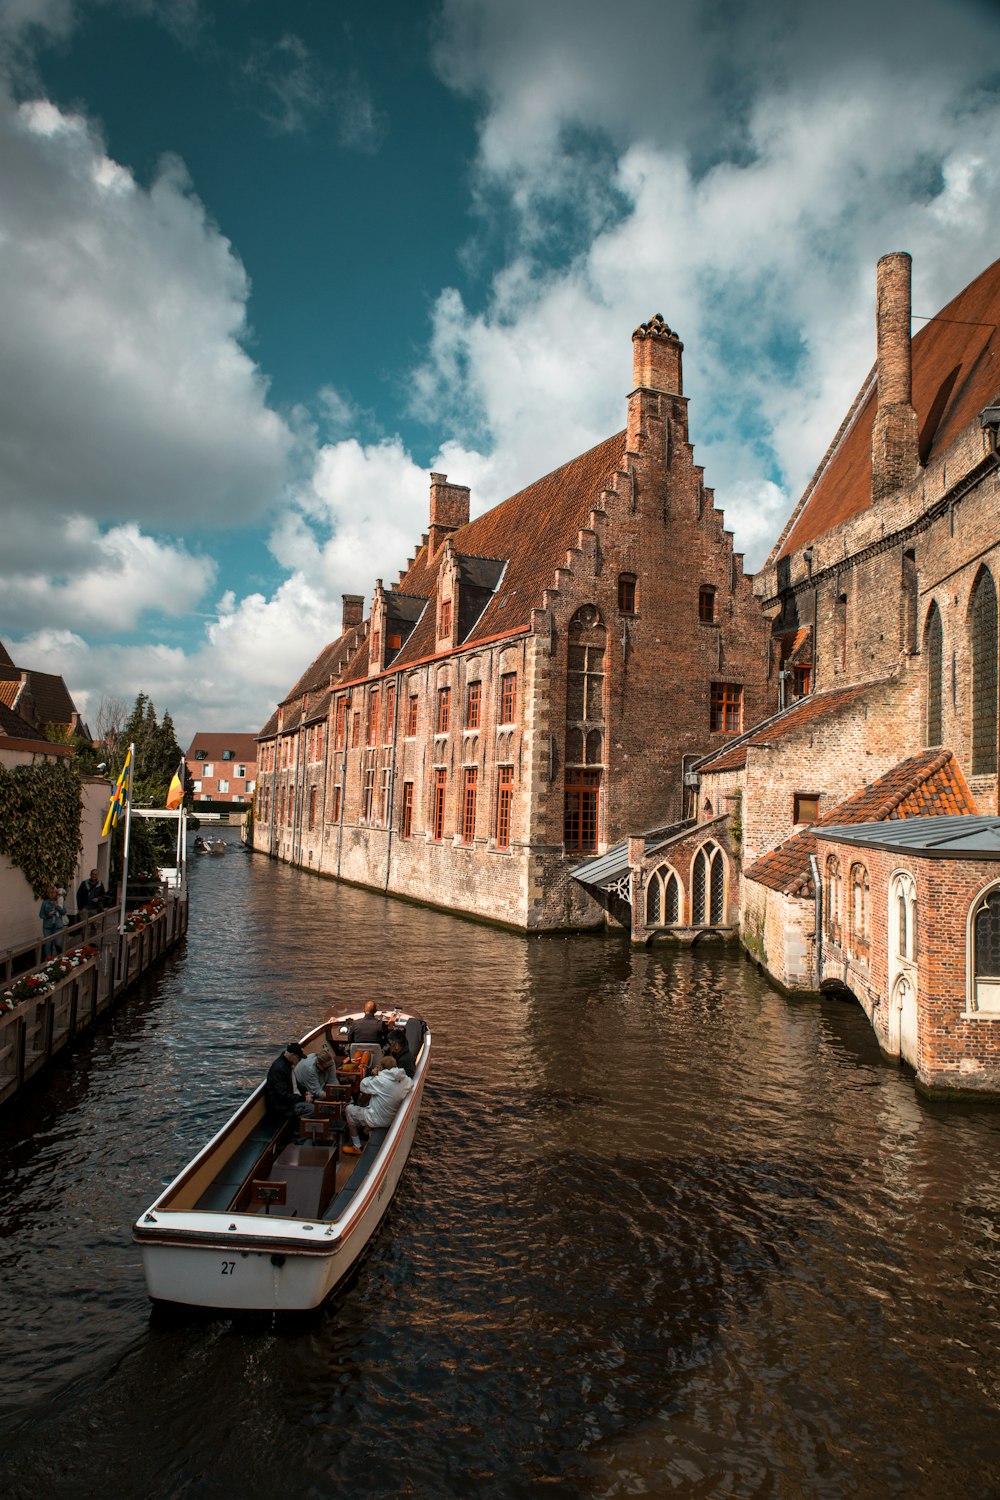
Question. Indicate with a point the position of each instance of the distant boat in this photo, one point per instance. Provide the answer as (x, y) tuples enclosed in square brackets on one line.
[(258, 1223), (209, 846)]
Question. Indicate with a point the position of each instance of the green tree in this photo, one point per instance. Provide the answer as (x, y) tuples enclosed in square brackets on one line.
[(157, 756)]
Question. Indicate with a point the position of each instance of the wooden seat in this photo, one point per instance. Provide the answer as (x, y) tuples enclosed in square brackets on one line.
[(263, 1194)]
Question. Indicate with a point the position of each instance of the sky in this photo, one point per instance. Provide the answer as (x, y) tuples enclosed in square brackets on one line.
[(264, 267)]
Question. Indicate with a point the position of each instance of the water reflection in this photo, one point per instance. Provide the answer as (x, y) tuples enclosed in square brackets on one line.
[(664, 1231)]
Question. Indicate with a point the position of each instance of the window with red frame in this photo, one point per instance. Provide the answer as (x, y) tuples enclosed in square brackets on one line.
[(469, 804), (340, 731), (445, 627), (473, 704), (444, 710), (726, 707), (376, 644), (626, 593), (801, 679), (390, 714), (582, 809), (355, 729), (437, 811), (406, 825), (505, 796), (373, 701), (508, 697), (706, 604), (411, 716), (335, 806)]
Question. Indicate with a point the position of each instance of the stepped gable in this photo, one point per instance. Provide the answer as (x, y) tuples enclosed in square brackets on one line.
[(928, 785), (733, 757), (531, 531), (956, 373)]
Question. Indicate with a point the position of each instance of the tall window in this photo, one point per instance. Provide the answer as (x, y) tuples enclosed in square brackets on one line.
[(373, 717), (384, 797), (312, 807), (834, 899), (663, 899), (708, 887), (860, 911), (505, 796), (445, 627), (340, 730), (390, 714), (335, 806), (406, 825), (726, 711), (983, 634), (368, 794), (986, 952), (355, 729), (469, 804), (444, 710), (437, 808), (626, 593), (933, 654), (473, 704), (508, 697), (411, 716), (582, 810), (706, 604), (281, 805)]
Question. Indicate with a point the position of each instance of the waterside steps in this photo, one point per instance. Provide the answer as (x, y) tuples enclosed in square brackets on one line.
[(39, 1025)]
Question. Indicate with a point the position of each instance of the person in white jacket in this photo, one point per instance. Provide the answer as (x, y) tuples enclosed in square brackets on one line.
[(386, 1088)]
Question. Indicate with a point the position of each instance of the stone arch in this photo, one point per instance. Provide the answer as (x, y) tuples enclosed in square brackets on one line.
[(708, 886), (664, 898)]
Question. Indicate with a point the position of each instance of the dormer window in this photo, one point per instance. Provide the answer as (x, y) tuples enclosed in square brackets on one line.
[(444, 628)]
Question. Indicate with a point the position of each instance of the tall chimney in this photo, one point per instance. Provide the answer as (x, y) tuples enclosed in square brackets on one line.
[(354, 611), (656, 370), (894, 433), (449, 511)]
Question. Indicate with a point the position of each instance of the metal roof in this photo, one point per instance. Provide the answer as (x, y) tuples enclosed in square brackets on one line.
[(950, 837)]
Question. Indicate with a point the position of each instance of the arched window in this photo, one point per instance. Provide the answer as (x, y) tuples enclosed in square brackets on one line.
[(833, 899), (663, 898), (860, 911), (986, 952), (983, 645), (933, 652), (903, 917), (708, 887)]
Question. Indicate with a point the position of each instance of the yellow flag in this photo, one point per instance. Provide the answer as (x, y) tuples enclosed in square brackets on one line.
[(118, 797), (175, 792)]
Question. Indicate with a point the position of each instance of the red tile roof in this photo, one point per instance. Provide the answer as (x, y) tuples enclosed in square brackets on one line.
[(927, 785), (806, 711), (956, 372), (243, 746)]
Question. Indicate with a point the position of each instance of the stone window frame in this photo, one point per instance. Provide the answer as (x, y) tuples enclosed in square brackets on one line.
[(860, 921), (660, 878), (903, 911), (933, 639), (716, 859), (975, 1010), (833, 900), (983, 637)]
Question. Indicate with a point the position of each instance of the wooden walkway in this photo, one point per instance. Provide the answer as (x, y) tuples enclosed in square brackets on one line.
[(38, 1028)]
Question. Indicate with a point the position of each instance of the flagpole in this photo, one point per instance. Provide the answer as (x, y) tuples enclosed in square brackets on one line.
[(180, 821), (128, 830)]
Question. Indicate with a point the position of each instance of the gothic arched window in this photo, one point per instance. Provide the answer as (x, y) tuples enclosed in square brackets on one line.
[(986, 952), (983, 643), (708, 887), (833, 898)]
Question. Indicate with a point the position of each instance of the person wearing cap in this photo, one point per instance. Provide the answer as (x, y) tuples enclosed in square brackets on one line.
[(283, 1098), (315, 1071)]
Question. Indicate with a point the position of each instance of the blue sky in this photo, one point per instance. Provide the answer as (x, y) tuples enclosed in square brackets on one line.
[(262, 267)]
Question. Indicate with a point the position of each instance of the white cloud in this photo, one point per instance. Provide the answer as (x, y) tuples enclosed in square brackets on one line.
[(124, 388)]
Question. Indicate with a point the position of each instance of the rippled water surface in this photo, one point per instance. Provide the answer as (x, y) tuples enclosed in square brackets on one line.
[(663, 1232)]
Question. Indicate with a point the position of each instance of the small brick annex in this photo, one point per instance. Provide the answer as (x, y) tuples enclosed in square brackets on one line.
[(533, 685), (911, 927)]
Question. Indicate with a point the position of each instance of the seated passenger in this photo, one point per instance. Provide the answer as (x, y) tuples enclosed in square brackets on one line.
[(282, 1097), (369, 1028), (315, 1071), (401, 1055), (386, 1089)]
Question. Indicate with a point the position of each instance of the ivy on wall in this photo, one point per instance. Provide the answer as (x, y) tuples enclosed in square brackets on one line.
[(41, 807)]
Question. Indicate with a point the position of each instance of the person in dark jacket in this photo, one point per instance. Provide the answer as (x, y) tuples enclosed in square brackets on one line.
[(281, 1096), (402, 1056), (90, 895), (369, 1028)]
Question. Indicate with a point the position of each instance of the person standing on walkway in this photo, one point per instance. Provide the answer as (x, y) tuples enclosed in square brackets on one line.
[(53, 915)]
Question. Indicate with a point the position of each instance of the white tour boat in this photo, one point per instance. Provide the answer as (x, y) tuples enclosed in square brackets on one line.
[(258, 1223)]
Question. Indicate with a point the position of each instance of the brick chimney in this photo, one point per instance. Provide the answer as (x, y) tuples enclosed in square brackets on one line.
[(354, 611), (894, 434), (449, 511), (656, 358)]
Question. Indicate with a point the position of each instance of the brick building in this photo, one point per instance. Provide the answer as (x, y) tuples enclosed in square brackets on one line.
[(222, 767), (41, 699), (533, 685)]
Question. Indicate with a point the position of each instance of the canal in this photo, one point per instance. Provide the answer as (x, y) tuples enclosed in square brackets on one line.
[(663, 1232)]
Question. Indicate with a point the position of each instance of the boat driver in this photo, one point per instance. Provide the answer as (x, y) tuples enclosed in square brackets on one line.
[(369, 1028)]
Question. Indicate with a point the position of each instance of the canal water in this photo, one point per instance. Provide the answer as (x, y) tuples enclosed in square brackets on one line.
[(663, 1232)]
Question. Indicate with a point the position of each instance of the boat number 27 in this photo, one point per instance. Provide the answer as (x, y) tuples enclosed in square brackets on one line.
[(228, 1267)]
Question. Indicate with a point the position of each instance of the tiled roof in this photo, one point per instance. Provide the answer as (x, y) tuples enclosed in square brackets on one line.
[(243, 746), (10, 689), (53, 704), (13, 727), (5, 659), (805, 712), (928, 785), (316, 677), (956, 372), (270, 728)]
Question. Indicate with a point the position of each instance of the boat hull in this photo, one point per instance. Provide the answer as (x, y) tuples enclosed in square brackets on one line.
[(241, 1262)]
